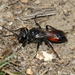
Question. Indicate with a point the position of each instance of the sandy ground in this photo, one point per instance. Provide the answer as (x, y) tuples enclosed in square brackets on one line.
[(11, 14)]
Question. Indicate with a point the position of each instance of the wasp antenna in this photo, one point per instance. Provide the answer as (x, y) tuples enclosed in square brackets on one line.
[(10, 31)]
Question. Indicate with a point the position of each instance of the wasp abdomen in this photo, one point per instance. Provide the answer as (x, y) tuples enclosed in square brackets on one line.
[(57, 36)]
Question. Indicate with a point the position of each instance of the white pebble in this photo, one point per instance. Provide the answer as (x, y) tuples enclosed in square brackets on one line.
[(29, 71), (0, 28), (10, 23), (42, 55)]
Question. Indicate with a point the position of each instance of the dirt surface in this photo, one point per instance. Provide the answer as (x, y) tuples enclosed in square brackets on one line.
[(12, 15)]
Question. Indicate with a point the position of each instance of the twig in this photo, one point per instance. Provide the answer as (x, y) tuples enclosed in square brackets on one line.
[(71, 3), (44, 72), (6, 71), (40, 13)]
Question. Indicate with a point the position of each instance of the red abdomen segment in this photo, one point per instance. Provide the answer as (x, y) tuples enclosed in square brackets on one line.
[(57, 36), (53, 39)]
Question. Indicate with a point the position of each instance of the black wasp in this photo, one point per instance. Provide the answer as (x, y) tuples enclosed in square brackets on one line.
[(39, 35)]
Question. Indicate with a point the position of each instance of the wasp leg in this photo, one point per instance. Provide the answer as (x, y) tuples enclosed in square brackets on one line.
[(38, 45), (47, 27), (7, 35), (24, 43), (37, 23), (48, 43)]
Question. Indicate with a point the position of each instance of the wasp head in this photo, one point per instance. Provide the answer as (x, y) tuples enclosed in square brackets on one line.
[(22, 35)]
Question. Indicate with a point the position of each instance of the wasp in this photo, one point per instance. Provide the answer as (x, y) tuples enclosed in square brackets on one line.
[(38, 35)]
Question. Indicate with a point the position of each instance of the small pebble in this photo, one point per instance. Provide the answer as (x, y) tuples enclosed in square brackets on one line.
[(24, 1), (61, 61), (42, 55), (37, 1), (0, 28), (73, 62), (10, 23), (29, 71), (66, 13), (72, 47)]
